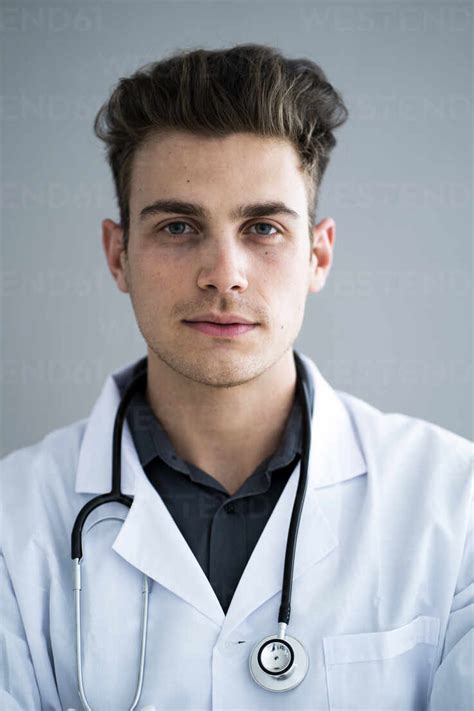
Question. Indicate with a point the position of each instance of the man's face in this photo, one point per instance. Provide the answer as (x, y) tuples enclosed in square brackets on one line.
[(181, 265)]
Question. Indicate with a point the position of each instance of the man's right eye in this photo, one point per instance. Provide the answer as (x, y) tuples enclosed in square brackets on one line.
[(172, 225)]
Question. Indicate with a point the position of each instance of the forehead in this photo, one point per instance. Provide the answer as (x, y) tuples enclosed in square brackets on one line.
[(189, 166)]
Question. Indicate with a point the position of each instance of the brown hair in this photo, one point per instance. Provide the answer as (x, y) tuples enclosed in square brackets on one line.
[(246, 88)]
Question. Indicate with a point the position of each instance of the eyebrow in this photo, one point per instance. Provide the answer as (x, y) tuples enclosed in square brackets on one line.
[(257, 209)]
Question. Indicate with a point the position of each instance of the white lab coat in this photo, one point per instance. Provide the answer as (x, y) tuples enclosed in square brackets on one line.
[(382, 593)]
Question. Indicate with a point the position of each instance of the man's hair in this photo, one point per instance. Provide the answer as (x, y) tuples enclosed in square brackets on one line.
[(246, 88)]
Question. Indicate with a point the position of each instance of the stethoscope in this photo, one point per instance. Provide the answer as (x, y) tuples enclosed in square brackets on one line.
[(278, 662)]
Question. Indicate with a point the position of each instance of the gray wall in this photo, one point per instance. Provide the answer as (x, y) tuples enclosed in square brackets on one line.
[(393, 324)]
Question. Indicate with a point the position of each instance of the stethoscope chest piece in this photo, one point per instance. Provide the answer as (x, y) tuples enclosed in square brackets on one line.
[(278, 664)]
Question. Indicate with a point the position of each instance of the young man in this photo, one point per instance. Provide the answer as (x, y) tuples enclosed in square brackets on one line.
[(217, 157)]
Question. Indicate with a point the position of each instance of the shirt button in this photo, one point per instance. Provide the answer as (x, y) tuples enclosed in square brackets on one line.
[(230, 508)]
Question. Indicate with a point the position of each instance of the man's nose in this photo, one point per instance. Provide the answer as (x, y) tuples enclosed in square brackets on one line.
[(223, 267)]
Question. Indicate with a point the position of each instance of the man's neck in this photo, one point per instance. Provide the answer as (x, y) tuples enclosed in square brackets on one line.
[(226, 432)]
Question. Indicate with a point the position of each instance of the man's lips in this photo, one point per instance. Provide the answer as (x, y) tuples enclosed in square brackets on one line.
[(229, 330)]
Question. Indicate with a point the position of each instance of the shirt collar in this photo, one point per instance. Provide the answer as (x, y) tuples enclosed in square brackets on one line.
[(336, 453)]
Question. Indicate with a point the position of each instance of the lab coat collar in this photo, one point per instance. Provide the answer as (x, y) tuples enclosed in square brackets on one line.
[(150, 540), (94, 472)]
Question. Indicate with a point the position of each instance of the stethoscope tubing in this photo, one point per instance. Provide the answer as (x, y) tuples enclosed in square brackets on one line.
[(287, 585)]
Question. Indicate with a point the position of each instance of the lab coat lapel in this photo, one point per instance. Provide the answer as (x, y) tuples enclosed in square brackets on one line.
[(149, 538), (263, 575), (94, 472)]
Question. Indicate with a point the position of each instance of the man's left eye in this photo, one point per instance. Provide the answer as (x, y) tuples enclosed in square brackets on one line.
[(266, 224)]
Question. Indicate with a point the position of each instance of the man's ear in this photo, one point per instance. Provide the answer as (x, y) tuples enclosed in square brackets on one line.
[(324, 235), (112, 242)]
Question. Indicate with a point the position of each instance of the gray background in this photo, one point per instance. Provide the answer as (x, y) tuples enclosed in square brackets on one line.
[(393, 324)]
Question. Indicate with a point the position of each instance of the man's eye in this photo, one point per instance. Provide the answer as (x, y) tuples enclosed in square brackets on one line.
[(266, 234), (172, 224)]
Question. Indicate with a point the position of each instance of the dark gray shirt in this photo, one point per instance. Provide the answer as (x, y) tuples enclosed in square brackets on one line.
[(221, 529)]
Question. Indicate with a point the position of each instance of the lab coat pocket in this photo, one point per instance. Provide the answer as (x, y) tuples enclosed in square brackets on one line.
[(382, 670)]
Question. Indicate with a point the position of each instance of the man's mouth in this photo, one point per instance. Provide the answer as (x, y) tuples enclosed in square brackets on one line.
[(228, 330)]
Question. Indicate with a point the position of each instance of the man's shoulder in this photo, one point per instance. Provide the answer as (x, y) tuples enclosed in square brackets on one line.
[(412, 441), (50, 462)]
